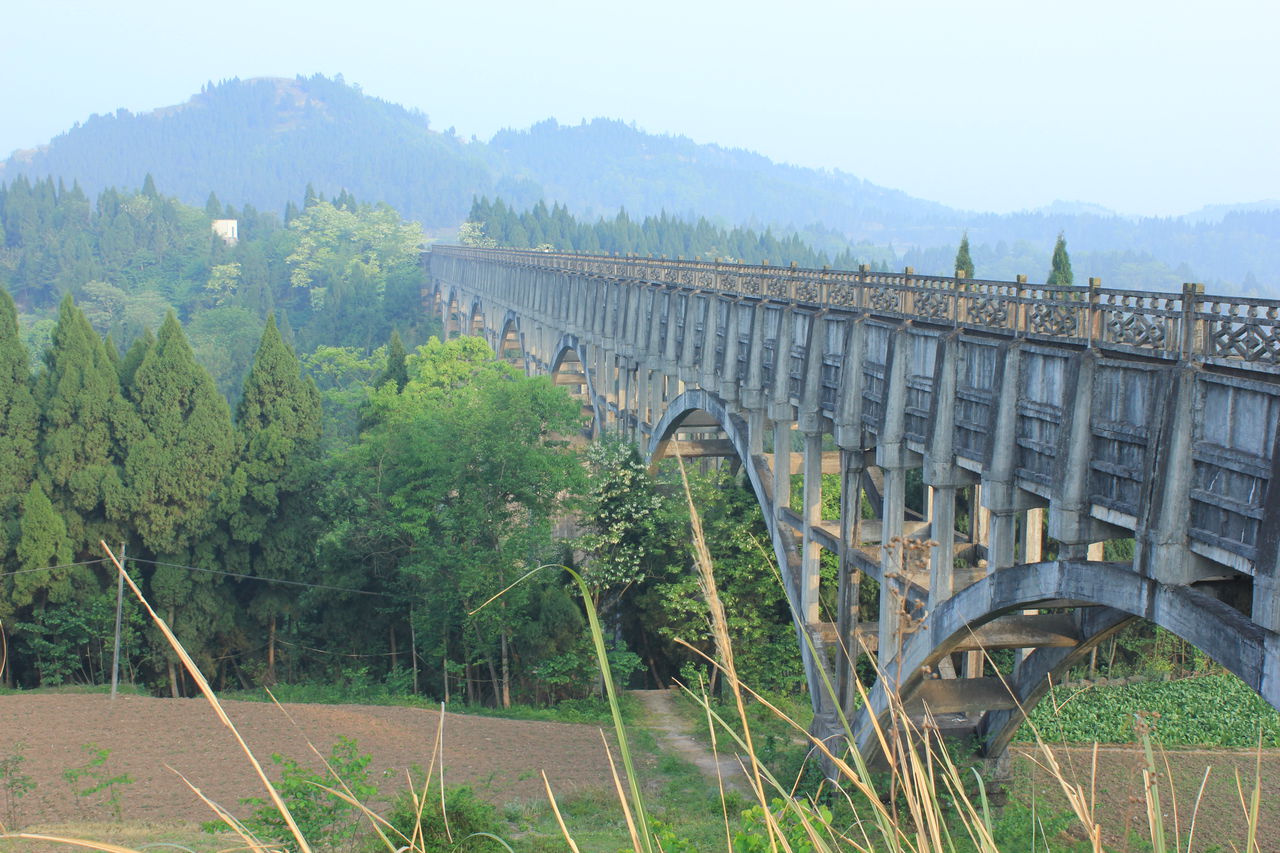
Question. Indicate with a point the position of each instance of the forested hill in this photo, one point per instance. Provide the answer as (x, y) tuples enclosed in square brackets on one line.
[(261, 141)]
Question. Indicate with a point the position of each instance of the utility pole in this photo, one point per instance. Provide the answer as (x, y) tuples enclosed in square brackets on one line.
[(115, 654)]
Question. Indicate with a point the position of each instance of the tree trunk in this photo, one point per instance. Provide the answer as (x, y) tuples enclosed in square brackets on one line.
[(6, 666), (270, 677), (395, 655), (493, 679), (471, 685), (506, 671), (173, 671)]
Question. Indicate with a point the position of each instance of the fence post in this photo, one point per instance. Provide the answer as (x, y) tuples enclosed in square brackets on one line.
[(1094, 317), (1194, 339), (1020, 312)]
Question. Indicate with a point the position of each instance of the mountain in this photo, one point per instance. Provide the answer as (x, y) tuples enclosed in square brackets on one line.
[(262, 141)]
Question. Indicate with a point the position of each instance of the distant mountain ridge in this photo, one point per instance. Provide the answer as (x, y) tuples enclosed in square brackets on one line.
[(261, 141)]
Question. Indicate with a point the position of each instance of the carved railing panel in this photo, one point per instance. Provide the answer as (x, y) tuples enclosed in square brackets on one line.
[(1172, 325)]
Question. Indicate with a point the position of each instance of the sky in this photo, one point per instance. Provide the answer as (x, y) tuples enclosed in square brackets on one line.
[(1151, 108)]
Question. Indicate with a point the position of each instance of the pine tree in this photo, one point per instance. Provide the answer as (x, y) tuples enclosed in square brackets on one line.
[(132, 359), (278, 426), (42, 543), (19, 419), (84, 424), (186, 446), (397, 369), (1060, 274), (964, 263)]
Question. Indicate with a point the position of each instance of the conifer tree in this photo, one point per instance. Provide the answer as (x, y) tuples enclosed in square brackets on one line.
[(19, 419), (84, 424), (175, 470), (1061, 271), (964, 263), (133, 358), (278, 426), (186, 445), (42, 543), (397, 369)]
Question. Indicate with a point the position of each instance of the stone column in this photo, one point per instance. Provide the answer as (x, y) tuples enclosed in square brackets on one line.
[(781, 467), (850, 578), (810, 556), (942, 523), (893, 585)]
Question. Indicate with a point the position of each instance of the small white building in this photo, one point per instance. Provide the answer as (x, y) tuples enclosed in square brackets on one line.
[(228, 230)]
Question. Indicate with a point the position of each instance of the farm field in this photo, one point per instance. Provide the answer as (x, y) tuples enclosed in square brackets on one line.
[(501, 759)]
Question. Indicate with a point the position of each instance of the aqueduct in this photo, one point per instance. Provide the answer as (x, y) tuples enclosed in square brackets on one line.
[(1108, 414)]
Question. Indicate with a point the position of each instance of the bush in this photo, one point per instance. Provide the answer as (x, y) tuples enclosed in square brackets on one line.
[(467, 816)]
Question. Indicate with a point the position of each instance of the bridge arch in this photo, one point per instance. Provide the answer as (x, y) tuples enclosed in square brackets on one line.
[(1105, 596), (569, 370), (453, 315), (699, 406), (475, 319), (510, 343)]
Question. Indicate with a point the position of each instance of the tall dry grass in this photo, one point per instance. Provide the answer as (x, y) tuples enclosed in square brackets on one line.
[(923, 801)]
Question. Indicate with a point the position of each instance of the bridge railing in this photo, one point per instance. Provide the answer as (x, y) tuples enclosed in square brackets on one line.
[(1186, 324)]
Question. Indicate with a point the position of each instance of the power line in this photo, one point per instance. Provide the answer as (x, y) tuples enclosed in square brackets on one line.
[(51, 568), (208, 571), (262, 579)]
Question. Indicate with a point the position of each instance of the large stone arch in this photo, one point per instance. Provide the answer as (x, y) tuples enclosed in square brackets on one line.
[(569, 369), (1104, 597), (453, 314), (475, 325), (509, 345), (699, 402)]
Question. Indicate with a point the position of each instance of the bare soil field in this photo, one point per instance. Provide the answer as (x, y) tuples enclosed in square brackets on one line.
[(155, 740)]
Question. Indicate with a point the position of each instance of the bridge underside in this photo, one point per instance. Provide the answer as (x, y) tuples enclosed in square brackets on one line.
[(1020, 442)]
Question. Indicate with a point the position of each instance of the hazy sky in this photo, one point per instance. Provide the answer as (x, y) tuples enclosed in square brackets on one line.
[(1144, 107)]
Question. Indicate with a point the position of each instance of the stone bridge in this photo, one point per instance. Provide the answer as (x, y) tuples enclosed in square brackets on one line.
[(1097, 415)]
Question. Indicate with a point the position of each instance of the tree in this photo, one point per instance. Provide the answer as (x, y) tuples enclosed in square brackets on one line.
[(278, 425), (964, 263), (186, 446), (84, 426), (397, 370), (1060, 274), (175, 470), (19, 418)]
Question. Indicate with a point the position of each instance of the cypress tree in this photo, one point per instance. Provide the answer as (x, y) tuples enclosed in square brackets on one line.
[(397, 369), (1061, 269), (42, 542), (186, 445), (133, 358), (964, 263), (19, 419), (84, 424), (278, 426)]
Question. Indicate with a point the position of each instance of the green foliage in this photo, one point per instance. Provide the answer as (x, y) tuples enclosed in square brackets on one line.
[(93, 781), (496, 224), (18, 419), (1212, 710), (85, 423), (455, 825), (185, 450), (14, 783), (322, 817), (964, 263), (1060, 269)]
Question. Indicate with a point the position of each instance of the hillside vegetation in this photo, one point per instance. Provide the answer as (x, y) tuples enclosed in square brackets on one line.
[(256, 141)]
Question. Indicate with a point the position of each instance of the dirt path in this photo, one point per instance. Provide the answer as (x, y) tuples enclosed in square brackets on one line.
[(672, 732)]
